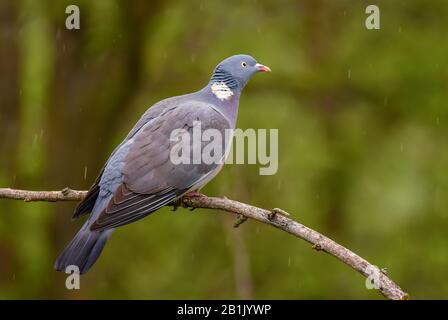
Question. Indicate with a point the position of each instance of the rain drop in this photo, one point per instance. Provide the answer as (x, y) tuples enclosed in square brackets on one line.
[(58, 34)]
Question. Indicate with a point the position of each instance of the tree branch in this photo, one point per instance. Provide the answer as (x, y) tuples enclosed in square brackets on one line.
[(276, 218), (65, 194)]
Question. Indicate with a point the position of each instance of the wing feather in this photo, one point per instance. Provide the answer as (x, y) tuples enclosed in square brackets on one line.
[(150, 179)]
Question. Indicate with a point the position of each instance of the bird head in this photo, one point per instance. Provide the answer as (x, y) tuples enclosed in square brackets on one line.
[(235, 71)]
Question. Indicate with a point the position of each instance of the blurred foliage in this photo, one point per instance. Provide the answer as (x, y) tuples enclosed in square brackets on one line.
[(362, 121)]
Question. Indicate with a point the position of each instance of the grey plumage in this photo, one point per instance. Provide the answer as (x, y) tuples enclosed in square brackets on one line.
[(139, 177)]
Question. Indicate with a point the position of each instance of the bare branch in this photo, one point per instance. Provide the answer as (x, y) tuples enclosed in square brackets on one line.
[(277, 218), (65, 194)]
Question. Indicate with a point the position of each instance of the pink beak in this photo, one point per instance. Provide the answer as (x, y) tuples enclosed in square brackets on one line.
[(262, 68)]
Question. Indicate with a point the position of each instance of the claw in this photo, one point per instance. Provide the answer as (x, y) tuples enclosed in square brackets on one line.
[(176, 204)]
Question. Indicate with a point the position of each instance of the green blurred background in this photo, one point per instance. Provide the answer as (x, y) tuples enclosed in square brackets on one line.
[(362, 119)]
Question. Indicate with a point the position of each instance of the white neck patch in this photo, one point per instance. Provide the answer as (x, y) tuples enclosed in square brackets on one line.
[(221, 91)]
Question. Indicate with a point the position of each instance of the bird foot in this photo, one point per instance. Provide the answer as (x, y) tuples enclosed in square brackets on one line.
[(179, 203), (193, 194)]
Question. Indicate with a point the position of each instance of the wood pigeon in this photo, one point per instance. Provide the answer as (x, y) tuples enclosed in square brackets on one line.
[(139, 178)]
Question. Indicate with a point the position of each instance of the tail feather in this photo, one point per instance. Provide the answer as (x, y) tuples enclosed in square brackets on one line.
[(83, 250)]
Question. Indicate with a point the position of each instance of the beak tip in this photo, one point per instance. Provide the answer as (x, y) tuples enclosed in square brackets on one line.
[(262, 68)]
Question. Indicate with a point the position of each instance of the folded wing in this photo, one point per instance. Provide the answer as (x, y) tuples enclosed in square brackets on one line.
[(150, 179)]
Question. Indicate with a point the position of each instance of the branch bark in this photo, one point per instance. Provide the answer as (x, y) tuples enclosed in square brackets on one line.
[(276, 218)]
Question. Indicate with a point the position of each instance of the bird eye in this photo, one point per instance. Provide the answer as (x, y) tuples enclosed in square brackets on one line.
[(243, 64)]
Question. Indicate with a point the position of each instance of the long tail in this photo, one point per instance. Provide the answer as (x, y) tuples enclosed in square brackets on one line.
[(83, 250)]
